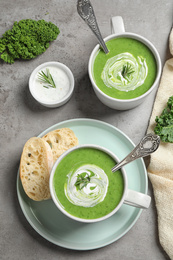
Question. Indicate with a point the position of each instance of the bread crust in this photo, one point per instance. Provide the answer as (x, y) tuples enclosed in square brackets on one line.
[(60, 140), (35, 166)]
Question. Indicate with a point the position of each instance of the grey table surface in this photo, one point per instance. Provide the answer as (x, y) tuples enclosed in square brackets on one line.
[(21, 117)]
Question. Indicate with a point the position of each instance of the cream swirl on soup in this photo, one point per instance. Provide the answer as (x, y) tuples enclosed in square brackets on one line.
[(124, 72), (89, 193)]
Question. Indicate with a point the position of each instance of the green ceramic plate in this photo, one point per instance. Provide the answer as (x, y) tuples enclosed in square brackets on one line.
[(50, 223)]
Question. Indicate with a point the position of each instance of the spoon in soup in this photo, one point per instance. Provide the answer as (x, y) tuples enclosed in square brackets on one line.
[(86, 12), (147, 145)]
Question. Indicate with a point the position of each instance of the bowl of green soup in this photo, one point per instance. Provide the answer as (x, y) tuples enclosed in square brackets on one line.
[(84, 188), (124, 77)]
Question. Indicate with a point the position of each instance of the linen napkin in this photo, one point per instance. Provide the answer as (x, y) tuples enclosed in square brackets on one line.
[(160, 168)]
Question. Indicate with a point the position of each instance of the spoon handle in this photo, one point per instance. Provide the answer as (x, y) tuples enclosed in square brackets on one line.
[(86, 12), (147, 145)]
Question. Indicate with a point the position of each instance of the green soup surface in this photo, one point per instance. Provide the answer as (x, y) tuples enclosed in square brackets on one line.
[(125, 55), (100, 190)]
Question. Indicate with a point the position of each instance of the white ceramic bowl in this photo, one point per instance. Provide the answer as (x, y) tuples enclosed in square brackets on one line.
[(60, 100), (130, 197)]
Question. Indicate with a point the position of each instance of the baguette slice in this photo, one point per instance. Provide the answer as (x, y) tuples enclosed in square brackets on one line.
[(35, 166), (60, 140)]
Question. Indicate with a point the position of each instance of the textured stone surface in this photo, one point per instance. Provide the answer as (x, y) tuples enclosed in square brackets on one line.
[(21, 117)]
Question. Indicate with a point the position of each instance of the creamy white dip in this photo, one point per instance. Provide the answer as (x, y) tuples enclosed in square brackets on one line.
[(50, 94)]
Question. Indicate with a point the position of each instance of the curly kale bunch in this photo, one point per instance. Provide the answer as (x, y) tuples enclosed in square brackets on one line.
[(164, 126), (27, 39)]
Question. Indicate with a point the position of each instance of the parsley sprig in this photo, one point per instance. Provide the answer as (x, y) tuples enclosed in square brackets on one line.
[(46, 78)]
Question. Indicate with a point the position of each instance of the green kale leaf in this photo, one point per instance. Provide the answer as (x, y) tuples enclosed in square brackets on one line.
[(164, 123), (27, 39)]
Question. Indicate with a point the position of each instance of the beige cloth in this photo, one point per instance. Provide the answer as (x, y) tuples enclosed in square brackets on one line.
[(160, 168)]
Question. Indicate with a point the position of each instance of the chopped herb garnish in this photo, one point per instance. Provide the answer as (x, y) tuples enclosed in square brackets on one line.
[(82, 181)]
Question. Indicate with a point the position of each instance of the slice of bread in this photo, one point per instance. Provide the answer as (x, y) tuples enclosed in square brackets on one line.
[(60, 140), (35, 166)]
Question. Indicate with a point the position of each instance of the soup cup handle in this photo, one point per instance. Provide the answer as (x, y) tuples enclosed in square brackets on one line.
[(117, 25), (137, 199)]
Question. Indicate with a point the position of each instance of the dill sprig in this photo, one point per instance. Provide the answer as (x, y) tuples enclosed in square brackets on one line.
[(46, 78), (127, 70)]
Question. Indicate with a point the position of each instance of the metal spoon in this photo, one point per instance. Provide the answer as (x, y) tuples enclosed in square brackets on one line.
[(147, 145), (86, 12)]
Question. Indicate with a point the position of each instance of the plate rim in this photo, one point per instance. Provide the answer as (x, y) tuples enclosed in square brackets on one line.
[(59, 243)]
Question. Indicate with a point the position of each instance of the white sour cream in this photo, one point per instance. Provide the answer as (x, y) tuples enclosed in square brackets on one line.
[(93, 193), (112, 72), (50, 94)]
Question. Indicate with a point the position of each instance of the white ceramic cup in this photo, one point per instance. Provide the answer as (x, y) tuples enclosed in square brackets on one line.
[(130, 197), (121, 104)]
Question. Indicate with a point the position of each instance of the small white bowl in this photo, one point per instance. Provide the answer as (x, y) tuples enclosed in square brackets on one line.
[(64, 73)]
